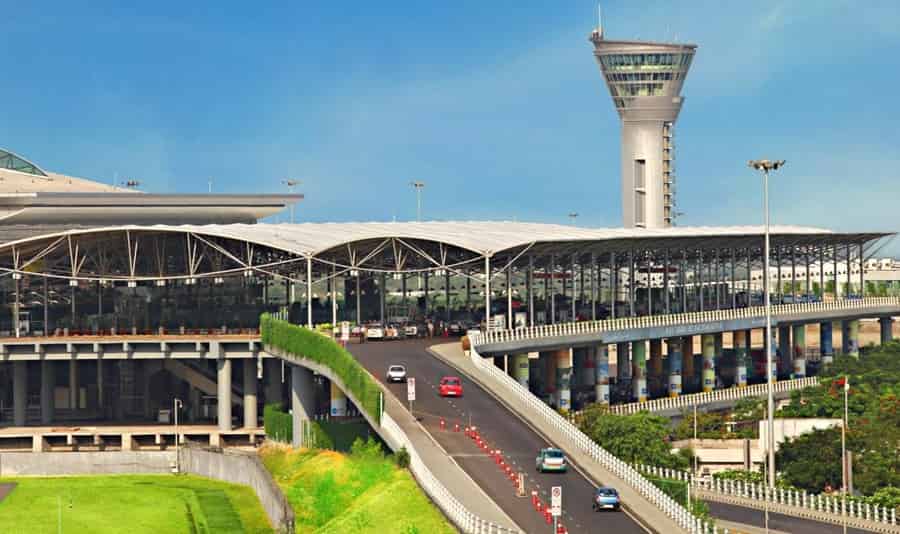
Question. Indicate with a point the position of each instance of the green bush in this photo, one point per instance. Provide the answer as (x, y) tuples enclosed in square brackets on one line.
[(677, 490), (402, 458), (306, 344), (279, 425)]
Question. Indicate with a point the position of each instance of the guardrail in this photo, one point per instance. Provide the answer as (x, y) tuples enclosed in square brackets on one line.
[(814, 506), (687, 401), (456, 511), (651, 321), (631, 476)]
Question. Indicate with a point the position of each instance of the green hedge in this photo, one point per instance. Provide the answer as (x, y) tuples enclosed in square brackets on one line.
[(280, 427), (304, 343)]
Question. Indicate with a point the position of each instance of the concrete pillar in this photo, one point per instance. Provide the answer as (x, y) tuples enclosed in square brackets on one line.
[(656, 362), (887, 332), (73, 384), (639, 370), (601, 370), (623, 367), (338, 404), (100, 406), (251, 413), (687, 358), (850, 337), (785, 347), (47, 383), (223, 393), (20, 392), (708, 343), (675, 348), (549, 361), (564, 378), (303, 402), (799, 352), (520, 369), (826, 343), (272, 377), (194, 403), (588, 373), (741, 344), (718, 338)]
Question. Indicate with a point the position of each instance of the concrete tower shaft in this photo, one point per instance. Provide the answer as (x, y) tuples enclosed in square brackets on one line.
[(644, 80)]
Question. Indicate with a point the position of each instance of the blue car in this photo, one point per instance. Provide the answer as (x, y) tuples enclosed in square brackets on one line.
[(605, 499)]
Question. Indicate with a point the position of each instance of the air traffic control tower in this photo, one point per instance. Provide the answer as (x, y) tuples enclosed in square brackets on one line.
[(644, 79)]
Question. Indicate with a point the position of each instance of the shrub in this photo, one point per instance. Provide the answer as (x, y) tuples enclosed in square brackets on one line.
[(279, 425), (402, 458), (307, 344)]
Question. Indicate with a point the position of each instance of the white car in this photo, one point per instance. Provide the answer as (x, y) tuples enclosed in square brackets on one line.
[(374, 332), (411, 330), (396, 373)]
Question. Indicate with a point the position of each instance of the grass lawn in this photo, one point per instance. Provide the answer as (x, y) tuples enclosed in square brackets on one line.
[(136, 504), (362, 492)]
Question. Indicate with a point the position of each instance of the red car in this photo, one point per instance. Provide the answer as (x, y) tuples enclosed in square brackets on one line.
[(450, 386)]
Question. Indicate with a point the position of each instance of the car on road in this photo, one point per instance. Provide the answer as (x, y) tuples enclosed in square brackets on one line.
[(455, 328), (551, 459), (396, 373), (605, 498), (450, 386), (413, 330), (374, 331)]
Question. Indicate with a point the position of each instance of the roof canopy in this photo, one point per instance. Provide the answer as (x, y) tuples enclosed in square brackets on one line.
[(13, 162)]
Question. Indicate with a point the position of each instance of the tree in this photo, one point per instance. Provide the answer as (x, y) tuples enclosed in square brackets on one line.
[(811, 461), (638, 438)]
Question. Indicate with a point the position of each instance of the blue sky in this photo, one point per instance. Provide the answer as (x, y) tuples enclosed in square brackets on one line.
[(498, 105)]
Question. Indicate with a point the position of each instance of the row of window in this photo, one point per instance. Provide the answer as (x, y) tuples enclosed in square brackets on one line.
[(637, 89), (642, 76), (633, 61)]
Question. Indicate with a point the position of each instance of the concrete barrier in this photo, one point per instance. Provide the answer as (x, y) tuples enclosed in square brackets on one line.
[(85, 463)]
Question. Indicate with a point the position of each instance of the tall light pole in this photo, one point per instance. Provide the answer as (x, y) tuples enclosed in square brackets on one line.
[(291, 184), (764, 166), (176, 404), (418, 186), (573, 216)]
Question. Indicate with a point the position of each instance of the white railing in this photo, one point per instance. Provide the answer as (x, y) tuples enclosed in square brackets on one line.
[(652, 321), (682, 517), (820, 504), (455, 510), (730, 394)]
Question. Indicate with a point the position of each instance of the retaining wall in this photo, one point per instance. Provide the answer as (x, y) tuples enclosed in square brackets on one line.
[(86, 463)]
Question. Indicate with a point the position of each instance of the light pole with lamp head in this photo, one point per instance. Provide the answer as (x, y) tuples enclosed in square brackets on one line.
[(291, 184), (418, 186), (176, 404), (573, 216)]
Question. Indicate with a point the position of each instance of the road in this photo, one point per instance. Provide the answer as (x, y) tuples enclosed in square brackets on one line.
[(784, 523), (503, 430)]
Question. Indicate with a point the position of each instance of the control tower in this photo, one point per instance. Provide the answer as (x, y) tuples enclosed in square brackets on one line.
[(645, 79)]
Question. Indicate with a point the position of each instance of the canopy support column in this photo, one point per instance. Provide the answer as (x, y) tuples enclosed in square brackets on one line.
[(487, 293), (530, 282), (309, 320), (667, 304), (595, 270)]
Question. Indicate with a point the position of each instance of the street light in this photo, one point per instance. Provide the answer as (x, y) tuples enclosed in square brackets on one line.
[(176, 404), (291, 184), (418, 186), (573, 216)]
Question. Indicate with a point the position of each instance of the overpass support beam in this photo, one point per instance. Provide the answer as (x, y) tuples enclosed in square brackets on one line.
[(521, 369), (601, 369), (564, 378), (708, 342), (303, 403), (251, 414), (20, 392), (850, 337), (656, 365), (785, 348), (741, 344), (799, 343), (826, 342), (676, 345), (47, 383), (639, 370), (223, 394), (887, 332)]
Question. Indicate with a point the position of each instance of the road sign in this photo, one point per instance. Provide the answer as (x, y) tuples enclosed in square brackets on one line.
[(556, 501), (410, 389)]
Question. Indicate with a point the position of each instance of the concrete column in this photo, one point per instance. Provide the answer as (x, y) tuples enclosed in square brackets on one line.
[(564, 378), (303, 402), (194, 400), (73, 384), (785, 347), (850, 337), (47, 383), (799, 345), (338, 404), (251, 413), (20, 392), (676, 348), (601, 369), (520, 369), (100, 406), (741, 344), (587, 369), (826, 343), (887, 333), (272, 377), (656, 362), (223, 393), (687, 358), (623, 367), (708, 342), (639, 370)]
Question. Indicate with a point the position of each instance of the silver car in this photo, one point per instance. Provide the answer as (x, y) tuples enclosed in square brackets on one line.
[(396, 373)]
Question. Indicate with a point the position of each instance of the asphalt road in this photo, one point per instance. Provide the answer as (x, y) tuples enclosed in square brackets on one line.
[(503, 430), (784, 523)]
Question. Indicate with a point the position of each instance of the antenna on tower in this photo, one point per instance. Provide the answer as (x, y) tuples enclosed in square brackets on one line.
[(599, 18)]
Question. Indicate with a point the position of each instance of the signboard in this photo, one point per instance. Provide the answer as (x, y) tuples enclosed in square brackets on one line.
[(410, 389), (345, 331), (556, 501)]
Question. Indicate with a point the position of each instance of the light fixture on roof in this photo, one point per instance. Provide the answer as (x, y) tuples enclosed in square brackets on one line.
[(440, 272), (132, 283), (248, 273), (73, 282), (160, 283), (17, 276), (354, 272), (218, 280), (397, 276), (190, 281)]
